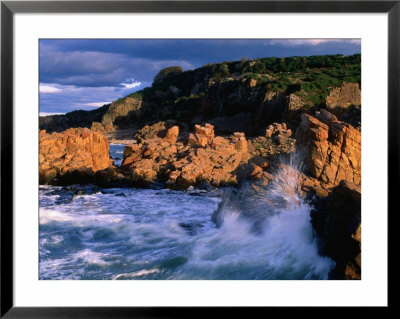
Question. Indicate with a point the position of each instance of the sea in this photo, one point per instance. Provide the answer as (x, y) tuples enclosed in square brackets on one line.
[(92, 233)]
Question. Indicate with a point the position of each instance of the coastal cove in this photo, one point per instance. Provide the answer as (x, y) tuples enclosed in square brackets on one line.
[(242, 170), (372, 31)]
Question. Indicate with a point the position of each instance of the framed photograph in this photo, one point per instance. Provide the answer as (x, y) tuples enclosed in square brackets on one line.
[(158, 156)]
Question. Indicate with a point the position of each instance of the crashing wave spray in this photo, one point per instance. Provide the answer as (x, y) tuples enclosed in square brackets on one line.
[(268, 226), (261, 199)]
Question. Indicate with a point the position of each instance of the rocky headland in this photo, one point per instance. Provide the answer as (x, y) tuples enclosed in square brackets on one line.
[(231, 124)]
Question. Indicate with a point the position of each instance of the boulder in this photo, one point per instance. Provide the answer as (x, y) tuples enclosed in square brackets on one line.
[(74, 152), (204, 134), (331, 149), (148, 132), (172, 134), (240, 141), (169, 129)]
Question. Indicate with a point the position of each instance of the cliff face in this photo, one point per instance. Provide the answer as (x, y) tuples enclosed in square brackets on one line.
[(243, 95), (339, 99), (121, 112)]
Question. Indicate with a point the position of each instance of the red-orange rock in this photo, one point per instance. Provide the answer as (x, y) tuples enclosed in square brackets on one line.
[(204, 134), (221, 143), (172, 134), (332, 150), (180, 165), (76, 149), (239, 139)]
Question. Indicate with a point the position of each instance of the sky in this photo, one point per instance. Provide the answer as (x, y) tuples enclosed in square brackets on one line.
[(88, 73)]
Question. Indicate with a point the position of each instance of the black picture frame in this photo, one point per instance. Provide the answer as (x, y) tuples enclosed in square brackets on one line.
[(9, 8)]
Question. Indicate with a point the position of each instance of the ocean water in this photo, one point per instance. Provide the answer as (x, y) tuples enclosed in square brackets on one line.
[(128, 234), (117, 152)]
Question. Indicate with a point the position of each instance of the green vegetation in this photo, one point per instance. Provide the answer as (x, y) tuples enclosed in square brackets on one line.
[(136, 95), (220, 71), (120, 100), (167, 72), (298, 63), (311, 78), (252, 76)]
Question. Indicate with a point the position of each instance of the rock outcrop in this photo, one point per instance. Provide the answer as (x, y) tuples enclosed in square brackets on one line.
[(203, 159), (331, 149), (337, 223), (203, 135), (159, 130), (279, 132), (340, 98), (71, 155)]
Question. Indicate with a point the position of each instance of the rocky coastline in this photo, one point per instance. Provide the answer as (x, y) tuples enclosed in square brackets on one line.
[(165, 155), (239, 152)]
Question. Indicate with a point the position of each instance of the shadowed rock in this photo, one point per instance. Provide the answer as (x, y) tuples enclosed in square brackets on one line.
[(337, 222)]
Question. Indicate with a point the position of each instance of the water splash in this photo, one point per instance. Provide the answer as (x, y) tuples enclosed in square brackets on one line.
[(274, 226)]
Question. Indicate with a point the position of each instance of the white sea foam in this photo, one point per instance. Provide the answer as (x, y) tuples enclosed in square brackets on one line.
[(283, 246), (139, 273), (109, 235), (91, 257), (51, 215), (52, 240)]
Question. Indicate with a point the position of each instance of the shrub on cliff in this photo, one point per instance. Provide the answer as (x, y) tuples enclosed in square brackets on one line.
[(220, 71), (166, 72), (136, 95)]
